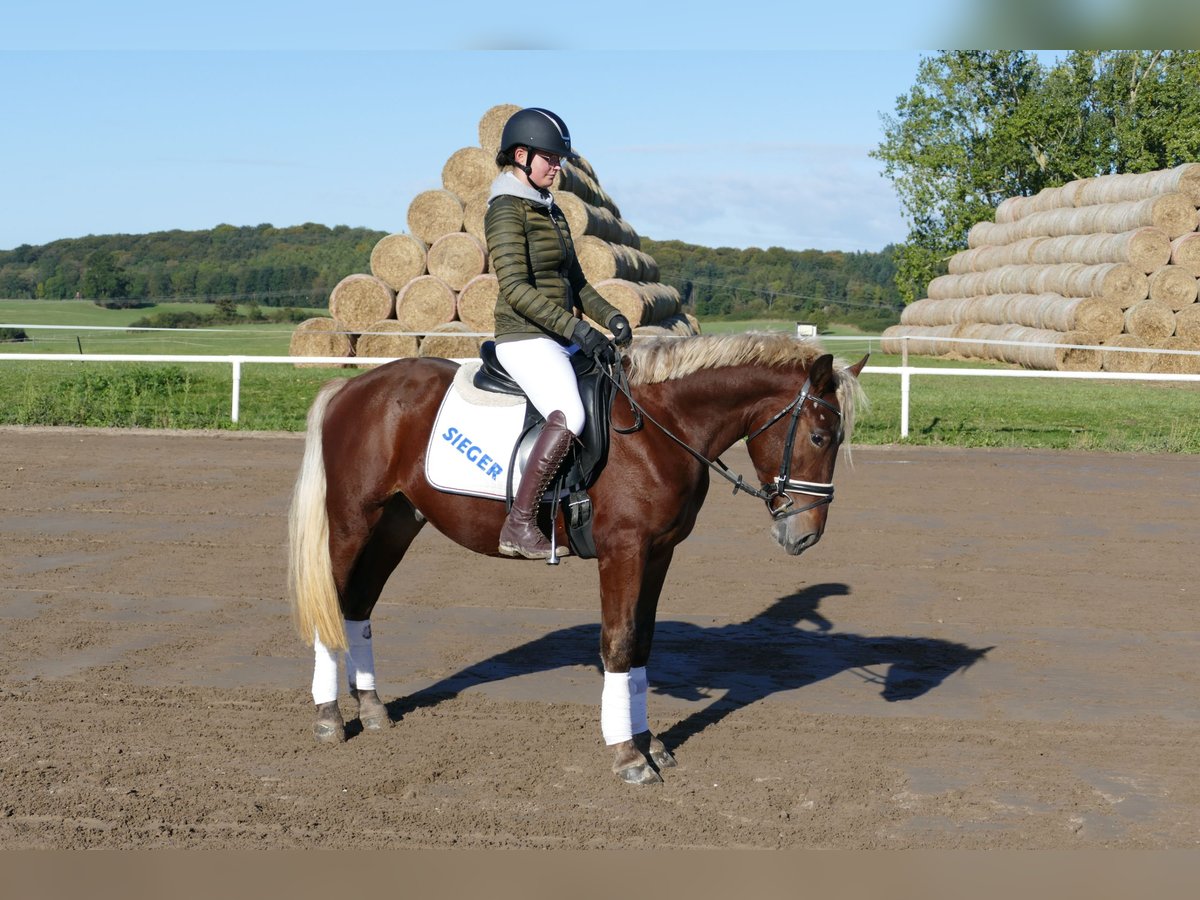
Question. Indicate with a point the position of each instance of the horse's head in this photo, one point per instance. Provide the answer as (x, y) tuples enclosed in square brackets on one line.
[(794, 448)]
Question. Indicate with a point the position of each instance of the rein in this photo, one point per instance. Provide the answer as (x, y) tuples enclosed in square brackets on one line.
[(771, 493)]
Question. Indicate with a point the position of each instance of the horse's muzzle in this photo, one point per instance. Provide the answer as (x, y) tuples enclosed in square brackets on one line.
[(793, 539)]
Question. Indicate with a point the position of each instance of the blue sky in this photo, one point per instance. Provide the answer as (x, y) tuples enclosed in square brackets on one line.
[(749, 130)]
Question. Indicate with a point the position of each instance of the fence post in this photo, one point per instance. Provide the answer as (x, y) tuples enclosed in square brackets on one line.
[(237, 388), (905, 387)]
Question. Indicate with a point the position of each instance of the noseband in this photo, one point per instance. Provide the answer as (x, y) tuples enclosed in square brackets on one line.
[(777, 494)]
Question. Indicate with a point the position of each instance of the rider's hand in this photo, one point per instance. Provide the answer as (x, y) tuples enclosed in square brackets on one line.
[(621, 332), (594, 344)]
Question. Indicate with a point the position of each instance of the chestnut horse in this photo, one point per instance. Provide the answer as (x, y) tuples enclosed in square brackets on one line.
[(362, 496)]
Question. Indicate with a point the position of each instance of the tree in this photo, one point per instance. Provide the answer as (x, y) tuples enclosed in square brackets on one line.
[(103, 278), (979, 126)]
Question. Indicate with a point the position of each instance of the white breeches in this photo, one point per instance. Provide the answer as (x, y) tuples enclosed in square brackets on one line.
[(623, 705), (542, 367), (360, 664)]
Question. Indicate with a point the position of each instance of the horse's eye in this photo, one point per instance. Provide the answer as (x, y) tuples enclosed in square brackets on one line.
[(817, 438)]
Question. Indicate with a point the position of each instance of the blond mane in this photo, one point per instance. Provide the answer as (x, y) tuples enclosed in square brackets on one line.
[(654, 360)]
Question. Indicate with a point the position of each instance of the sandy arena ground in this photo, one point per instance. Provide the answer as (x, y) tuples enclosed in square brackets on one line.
[(988, 649)]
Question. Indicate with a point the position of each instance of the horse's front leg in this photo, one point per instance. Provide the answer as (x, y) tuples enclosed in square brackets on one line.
[(629, 605)]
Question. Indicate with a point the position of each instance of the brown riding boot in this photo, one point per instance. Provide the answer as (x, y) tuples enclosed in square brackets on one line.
[(520, 535)]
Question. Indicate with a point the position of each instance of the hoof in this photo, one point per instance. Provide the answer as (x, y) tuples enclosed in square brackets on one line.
[(661, 755), (329, 727), (640, 774), (372, 714), (329, 733), (633, 763)]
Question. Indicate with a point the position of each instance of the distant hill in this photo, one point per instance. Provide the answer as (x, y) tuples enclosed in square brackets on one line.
[(295, 266), (299, 265), (815, 285)]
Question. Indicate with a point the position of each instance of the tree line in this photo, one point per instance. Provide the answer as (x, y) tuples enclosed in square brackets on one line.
[(294, 266), (979, 126), (818, 286), (299, 266)]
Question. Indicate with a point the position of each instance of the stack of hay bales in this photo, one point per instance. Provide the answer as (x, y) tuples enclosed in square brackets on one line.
[(1110, 261), (431, 292)]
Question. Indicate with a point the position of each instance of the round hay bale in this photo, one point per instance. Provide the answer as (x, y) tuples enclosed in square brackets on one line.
[(1150, 321), (664, 299), (1185, 253), (1185, 363), (921, 341), (477, 303), (601, 260), (457, 258), (676, 324), (358, 300), (583, 218), (640, 303), (1082, 358), (449, 342), (491, 126), (1173, 285), (385, 339), (1145, 249), (1126, 353), (1172, 213), (1095, 315), (469, 171), (1187, 321), (424, 303), (626, 297), (321, 336), (645, 331), (1006, 210), (583, 165), (474, 212), (397, 259), (573, 179), (693, 322), (1184, 179), (434, 213), (597, 259)]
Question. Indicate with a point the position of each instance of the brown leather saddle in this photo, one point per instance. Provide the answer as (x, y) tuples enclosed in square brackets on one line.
[(588, 454)]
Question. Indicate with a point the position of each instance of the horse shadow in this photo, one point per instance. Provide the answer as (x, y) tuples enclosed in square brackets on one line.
[(740, 663)]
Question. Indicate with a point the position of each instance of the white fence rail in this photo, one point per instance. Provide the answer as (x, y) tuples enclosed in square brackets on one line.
[(905, 372)]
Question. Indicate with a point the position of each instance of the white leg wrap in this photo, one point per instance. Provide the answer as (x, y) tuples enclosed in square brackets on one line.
[(623, 705), (360, 657), (325, 680)]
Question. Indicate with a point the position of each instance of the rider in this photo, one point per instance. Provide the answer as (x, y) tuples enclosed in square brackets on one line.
[(541, 285)]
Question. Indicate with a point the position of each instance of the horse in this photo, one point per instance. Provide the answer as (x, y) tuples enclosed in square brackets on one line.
[(361, 496)]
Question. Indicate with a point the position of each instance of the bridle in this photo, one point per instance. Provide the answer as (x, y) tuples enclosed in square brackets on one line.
[(775, 494), (784, 486)]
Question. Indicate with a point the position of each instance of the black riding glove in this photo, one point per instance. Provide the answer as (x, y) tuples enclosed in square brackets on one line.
[(622, 333), (594, 344)]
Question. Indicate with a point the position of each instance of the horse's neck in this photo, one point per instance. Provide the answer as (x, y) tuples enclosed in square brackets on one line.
[(708, 410)]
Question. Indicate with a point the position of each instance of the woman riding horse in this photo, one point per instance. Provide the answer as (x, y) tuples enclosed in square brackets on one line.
[(541, 283)]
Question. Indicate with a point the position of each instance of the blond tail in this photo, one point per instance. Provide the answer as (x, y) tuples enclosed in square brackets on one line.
[(315, 609)]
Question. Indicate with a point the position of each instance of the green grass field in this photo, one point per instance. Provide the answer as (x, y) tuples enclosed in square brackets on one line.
[(964, 411), (263, 339)]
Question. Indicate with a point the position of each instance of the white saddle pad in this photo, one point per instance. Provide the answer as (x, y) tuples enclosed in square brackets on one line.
[(473, 437)]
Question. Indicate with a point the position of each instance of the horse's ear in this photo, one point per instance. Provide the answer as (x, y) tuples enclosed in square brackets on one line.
[(820, 376), (858, 366)]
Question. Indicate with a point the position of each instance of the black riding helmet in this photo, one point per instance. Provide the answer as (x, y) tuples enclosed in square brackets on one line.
[(537, 129)]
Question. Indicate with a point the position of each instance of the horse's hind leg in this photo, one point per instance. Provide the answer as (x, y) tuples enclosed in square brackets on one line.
[(364, 557)]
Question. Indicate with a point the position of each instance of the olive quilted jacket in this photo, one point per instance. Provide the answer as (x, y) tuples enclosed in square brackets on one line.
[(533, 258)]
